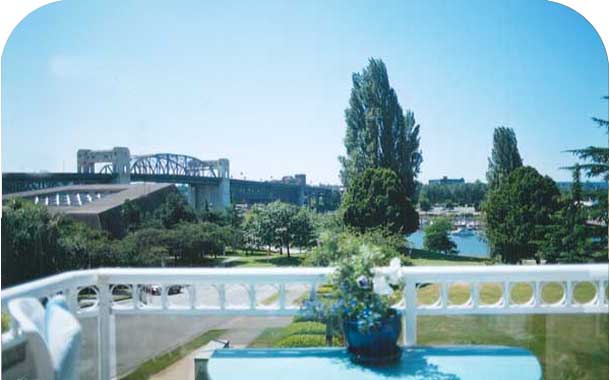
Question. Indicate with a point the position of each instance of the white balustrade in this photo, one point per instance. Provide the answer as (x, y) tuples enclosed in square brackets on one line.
[(105, 293)]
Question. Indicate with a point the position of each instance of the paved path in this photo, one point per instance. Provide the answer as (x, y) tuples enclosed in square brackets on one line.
[(241, 332), (142, 337)]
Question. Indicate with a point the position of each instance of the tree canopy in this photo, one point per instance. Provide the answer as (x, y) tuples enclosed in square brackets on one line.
[(279, 224), (504, 157), (436, 236), (518, 212), (379, 134), (376, 199), (569, 238), (460, 194)]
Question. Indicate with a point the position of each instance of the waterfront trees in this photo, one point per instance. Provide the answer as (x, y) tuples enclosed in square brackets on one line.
[(436, 236), (504, 157), (460, 194), (518, 212), (379, 134), (377, 199), (280, 225)]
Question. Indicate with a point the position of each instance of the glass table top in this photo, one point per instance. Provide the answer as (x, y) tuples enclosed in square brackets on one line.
[(415, 363)]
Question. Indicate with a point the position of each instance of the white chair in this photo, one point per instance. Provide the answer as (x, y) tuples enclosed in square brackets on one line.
[(53, 337)]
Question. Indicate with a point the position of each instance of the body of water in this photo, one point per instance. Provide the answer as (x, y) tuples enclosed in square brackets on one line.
[(473, 245)]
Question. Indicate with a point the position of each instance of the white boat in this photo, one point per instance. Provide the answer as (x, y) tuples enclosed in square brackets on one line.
[(462, 232)]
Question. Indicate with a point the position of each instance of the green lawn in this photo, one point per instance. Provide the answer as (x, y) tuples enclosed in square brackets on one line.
[(422, 257), (259, 259), (159, 363)]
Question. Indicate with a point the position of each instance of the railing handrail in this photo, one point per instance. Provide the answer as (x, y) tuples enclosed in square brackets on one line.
[(104, 307), (591, 271)]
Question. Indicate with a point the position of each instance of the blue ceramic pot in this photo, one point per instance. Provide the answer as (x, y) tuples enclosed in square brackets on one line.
[(377, 342)]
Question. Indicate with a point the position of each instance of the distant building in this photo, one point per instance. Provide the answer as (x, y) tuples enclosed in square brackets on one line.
[(446, 181), (98, 206), (297, 179)]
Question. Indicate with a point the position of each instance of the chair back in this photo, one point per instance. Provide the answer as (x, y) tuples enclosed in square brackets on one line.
[(29, 316), (53, 337)]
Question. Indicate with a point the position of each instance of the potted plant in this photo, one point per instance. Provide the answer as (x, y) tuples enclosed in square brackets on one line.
[(361, 300)]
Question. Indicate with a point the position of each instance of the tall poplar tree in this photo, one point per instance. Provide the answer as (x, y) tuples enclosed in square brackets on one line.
[(505, 156), (379, 134)]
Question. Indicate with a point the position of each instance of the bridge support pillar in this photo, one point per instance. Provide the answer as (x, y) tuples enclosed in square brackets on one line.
[(217, 197), (212, 195), (301, 181)]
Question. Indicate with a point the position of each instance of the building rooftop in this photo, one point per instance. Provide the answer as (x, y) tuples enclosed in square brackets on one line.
[(97, 205)]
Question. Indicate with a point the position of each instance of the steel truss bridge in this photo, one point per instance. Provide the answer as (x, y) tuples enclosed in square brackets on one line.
[(169, 164), (207, 180)]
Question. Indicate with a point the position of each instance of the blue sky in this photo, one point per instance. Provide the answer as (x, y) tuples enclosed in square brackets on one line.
[(265, 84)]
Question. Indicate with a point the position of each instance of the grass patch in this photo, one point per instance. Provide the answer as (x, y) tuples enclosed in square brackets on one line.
[(258, 259), (155, 365), (421, 257)]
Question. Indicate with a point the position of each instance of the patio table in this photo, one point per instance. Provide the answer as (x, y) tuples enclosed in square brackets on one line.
[(415, 363)]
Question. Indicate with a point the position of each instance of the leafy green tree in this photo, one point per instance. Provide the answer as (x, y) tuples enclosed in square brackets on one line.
[(304, 229), (258, 227), (377, 199), (595, 157), (379, 134), (131, 215), (174, 210), (279, 224), (85, 247), (518, 213), (30, 247), (290, 225), (424, 203), (505, 156), (436, 236), (462, 194), (595, 165), (568, 239)]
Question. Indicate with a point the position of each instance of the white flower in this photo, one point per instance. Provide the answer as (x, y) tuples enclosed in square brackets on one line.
[(394, 271), (381, 286), (395, 262)]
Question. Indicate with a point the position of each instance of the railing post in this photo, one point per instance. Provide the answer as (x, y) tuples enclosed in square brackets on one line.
[(222, 296), (282, 296), (409, 317), (105, 340)]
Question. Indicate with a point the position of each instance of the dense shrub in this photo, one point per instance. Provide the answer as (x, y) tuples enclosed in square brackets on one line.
[(304, 328), (335, 246), (436, 236), (302, 340)]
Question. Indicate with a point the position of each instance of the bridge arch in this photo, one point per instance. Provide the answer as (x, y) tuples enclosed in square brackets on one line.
[(173, 164)]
